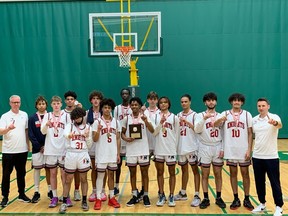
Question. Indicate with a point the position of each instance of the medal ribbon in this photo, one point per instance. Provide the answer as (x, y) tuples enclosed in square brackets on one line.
[(39, 117), (124, 110), (56, 121)]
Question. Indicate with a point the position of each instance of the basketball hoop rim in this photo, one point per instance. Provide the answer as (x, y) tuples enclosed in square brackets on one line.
[(124, 49)]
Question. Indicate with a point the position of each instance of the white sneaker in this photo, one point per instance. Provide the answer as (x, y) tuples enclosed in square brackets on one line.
[(162, 200), (259, 208), (171, 202), (180, 196), (63, 208), (77, 196), (278, 211), (196, 201)]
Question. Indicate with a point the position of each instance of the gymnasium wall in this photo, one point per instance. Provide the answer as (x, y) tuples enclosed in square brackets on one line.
[(224, 46)]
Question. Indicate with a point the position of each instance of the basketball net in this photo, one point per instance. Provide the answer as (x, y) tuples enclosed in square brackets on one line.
[(124, 54)]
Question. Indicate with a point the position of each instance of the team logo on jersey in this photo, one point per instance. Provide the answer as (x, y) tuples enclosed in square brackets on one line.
[(235, 124), (37, 124), (209, 125)]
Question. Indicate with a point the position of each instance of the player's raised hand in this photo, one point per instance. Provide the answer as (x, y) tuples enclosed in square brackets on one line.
[(272, 122), (208, 115), (71, 135), (86, 132), (143, 108), (49, 123), (143, 117), (224, 118), (182, 119), (12, 126), (99, 126)]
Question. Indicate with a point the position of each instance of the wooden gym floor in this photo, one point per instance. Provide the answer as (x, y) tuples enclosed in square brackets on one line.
[(182, 207)]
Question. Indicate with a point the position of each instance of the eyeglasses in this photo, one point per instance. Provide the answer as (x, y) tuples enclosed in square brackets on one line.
[(16, 102)]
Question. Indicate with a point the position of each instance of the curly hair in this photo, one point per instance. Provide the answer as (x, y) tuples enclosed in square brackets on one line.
[(236, 96), (137, 99), (96, 94), (107, 101), (210, 96), (77, 113), (71, 94)]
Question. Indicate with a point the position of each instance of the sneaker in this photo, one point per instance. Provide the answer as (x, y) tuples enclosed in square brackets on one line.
[(53, 202), (103, 197), (85, 206), (171, 201), (146, 201), (92, 197), (36, 197), (4, 202), (63, 208), (235, 204), (162, 200), (220, 202), (140, 195), (134, 200), (205, 203), (152, 156), (278, 211), (69, 202), (116, 191), (259, 208), (24, 198), (247, 204), (50, 195), (180, 196), (196, 201), (77, 196), (113, 202), (97, 205)]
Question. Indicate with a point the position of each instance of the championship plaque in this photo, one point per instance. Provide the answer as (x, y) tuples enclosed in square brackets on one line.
[(135, 131)]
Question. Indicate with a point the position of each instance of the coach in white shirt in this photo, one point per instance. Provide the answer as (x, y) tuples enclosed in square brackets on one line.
[(265, 155), (15, 147)]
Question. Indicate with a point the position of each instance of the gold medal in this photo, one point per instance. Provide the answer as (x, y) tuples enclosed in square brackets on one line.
[(108, 135), (163, 129)]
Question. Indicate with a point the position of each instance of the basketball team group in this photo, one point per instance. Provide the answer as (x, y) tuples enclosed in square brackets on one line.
[(76, 140)]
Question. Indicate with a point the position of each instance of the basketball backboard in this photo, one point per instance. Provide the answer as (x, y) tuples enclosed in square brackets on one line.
[(141, 30)]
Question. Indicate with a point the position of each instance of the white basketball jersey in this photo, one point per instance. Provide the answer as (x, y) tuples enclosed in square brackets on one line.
[(138, 147), (106, 146), (96, 115), (55, 140), (151, 114), (235, 136), (120, 112), (188, 139), (167, 135), (78, 141), (208, 134)]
